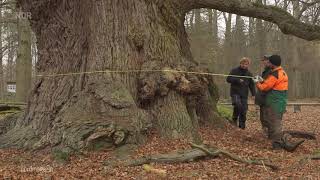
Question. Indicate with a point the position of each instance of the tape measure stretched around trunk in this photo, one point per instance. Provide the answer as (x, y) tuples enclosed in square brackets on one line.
[(143, 71)]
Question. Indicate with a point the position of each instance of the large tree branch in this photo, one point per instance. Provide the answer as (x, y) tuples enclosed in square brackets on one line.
[(285, 21), (305, 5), (7, 3), (308, 4)]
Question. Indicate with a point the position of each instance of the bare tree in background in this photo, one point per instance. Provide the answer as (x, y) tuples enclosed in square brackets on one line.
[(2, 79), (15, 53), (24, 60)]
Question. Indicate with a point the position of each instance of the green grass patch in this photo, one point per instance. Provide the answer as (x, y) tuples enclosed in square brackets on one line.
[(61, 156), (225, 111), (317, 151)]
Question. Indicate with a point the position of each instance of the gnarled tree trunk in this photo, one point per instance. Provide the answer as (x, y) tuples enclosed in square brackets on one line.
[(114, 108)]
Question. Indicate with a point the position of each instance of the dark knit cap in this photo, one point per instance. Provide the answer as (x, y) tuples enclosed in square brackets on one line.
[(275, 60)]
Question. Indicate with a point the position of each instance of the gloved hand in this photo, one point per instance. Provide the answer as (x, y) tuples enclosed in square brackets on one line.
[(257, 79)]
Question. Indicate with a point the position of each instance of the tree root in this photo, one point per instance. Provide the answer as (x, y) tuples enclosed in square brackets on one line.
[(235, 157), (175, 157), (305, 159), (198, 152), (301, 134), (315, 156)]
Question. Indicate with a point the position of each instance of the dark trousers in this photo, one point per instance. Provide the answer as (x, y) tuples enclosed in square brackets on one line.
[(240, 107), (263, 120), (274, 121)]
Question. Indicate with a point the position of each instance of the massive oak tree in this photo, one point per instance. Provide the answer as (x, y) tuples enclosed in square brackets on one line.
[(116, 108)]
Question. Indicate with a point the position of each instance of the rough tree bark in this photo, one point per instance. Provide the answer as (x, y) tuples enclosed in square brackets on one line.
[(82, 35)]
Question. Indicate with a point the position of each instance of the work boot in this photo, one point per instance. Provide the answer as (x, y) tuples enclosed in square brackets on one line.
[(242, 125), (242, 121), (290, 147), (276, 145)]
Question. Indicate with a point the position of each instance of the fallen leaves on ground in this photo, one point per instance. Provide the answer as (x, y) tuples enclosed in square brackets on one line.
[(248, 143)]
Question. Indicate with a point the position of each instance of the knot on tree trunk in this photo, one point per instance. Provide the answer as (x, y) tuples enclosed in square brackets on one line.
[(153, 85), (136, 37), (193, 88)]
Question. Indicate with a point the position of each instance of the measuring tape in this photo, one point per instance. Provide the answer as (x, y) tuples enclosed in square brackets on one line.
[(144, 71)]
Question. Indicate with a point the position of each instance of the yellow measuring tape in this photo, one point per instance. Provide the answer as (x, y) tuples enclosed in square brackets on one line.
[(143, 71)]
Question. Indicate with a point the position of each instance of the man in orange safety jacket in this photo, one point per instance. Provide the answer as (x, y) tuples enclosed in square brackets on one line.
[(276, 87)]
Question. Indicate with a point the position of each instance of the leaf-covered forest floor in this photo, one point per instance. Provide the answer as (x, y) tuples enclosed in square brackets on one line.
[(248, 143)]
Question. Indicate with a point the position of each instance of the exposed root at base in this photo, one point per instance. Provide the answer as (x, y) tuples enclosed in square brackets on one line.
[(198, 152)]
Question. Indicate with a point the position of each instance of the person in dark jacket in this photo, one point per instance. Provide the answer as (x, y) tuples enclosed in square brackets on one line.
[(260, 98), (239, 91)]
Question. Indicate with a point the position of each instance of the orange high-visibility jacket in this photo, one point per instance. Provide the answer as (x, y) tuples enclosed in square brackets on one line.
[(277, 80)]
